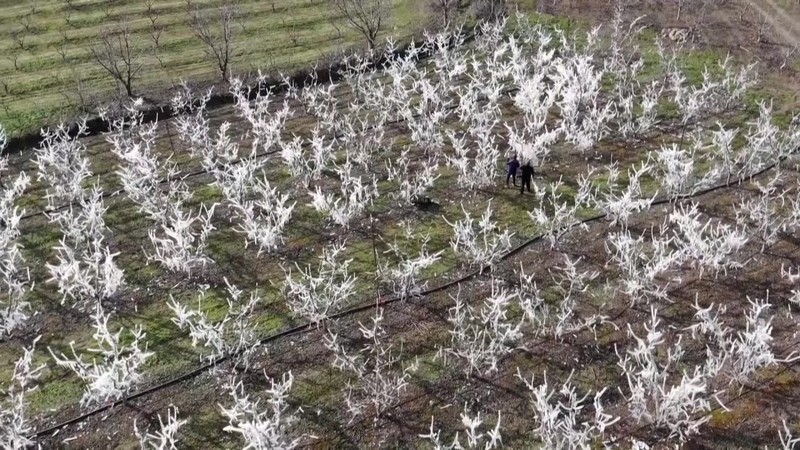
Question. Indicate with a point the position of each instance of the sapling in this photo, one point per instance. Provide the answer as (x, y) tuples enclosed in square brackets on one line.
[(354, 197), (178, 245), (262, 219), (683, 407), (116, 365), (751, 349), (536, 311), (236, 180), (414, 184), (641, 263), (480, 242), (722, 149), (86, 272), (763, 143), (403, 275), (475, 439), (14, 276), (620, 204), (703, 245), (234, 335), (480, 336), (140, 172), (377, 379), (764, 211), (560, 424), (262, 426), (62, 164), (314, 296), (570, 283), (265, 125), (166, 437), (479, 170), (15, 426), (564, 214)]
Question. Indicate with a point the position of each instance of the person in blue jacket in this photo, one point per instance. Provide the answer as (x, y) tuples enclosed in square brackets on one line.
[(513, 165)]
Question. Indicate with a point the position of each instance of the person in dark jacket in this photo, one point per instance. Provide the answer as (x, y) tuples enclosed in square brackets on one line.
[(513, 165), (527, 174)]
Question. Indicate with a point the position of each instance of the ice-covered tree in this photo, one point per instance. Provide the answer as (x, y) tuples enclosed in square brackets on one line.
[(15, 424), (166, 437), (116, 364), (480, 242), (313, 295), (262, 426)]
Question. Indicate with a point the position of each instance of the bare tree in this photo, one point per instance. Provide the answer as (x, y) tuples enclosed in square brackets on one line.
[(108, 8), (217, 35), (490, 10), (368, 17), (27, 22), (18, 37), (63, 44), (118, 55), (291, 31), (153, 15), (762, 28), (443, 11)]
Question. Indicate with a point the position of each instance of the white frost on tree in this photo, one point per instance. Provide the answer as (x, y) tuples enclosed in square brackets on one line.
[(314, 296), (116, 363), (480, 242), (475, 437), (234, 335), (166, 437), (263, 427), (15, 426), (377, 379)]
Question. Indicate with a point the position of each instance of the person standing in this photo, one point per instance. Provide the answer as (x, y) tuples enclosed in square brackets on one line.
[(513, 165), (527, 174)]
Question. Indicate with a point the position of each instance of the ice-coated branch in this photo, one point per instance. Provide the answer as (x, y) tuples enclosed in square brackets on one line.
[(315, 296), (376, 380), (480, 336), (560, 422), (165, 438), (116, 365), (262, 426), (476, 439), (234, 334), (15, 426), (481, 242)]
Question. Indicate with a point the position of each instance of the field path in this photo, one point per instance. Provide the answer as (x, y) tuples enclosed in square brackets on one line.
[(785, 27)]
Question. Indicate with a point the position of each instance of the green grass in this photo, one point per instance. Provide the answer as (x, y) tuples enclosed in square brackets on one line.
[(43, 89)]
